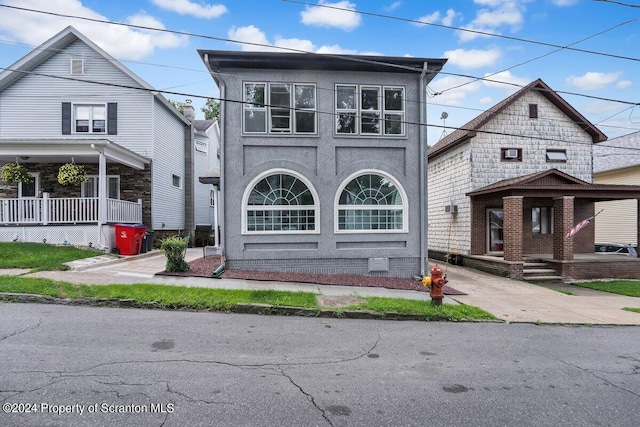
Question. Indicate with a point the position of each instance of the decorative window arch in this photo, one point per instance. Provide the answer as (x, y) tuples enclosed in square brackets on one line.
[(280, 201), (371, 201)]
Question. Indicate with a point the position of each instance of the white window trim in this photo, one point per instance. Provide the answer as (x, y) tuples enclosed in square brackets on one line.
[(249, 188), (74, 105), (404, 206), (358, 111), (82, 191), (268, 107), (36, 181)]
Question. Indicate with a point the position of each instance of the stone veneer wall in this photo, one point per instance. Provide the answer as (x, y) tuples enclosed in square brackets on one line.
[(448, 181)]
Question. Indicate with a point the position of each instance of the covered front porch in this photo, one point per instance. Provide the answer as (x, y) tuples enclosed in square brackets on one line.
[(521, 220), (118, 191)]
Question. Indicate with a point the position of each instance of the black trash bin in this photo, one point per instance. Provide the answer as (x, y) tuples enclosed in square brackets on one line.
[(147, 242)]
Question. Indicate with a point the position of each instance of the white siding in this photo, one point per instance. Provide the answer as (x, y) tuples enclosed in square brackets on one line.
[(31, 107), (167, 201), (203, 213), (449, 181), (618, 222)]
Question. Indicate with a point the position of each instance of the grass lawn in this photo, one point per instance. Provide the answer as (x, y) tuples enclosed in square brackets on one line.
[(177, 297), (629, 288), (40, 256)]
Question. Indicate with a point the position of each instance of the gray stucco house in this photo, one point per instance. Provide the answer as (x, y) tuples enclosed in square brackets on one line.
[(69, 101), (323, 161)]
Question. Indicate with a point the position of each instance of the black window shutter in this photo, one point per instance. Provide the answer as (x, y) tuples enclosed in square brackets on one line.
[(112, 118), (66, 118)]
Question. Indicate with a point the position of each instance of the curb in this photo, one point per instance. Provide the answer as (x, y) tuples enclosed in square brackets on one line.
[(241, 308)]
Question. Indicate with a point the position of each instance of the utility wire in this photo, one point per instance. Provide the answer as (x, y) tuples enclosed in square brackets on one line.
[(483, 33), (406, 122), (343, 57)]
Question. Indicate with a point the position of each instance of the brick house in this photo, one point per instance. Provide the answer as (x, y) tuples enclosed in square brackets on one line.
[(505, 188), (321, 161), (68, 101)]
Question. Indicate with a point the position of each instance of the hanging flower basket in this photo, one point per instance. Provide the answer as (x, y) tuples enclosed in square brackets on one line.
[(14, 173), (72, 174)]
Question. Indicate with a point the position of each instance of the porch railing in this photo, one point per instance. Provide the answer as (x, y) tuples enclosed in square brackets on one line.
[(75, 210)]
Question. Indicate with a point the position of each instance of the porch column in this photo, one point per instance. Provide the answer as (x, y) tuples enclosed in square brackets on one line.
[(563, 222), (638, 228), (102, 189), (512, 207)]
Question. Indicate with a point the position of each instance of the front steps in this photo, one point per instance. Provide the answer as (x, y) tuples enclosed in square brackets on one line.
[(540, 272)]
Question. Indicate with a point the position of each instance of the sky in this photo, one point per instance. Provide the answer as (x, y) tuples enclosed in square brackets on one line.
[(493, 47)]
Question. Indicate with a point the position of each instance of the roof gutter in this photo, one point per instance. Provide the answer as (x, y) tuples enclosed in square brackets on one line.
[(423, 168), (221, 123)]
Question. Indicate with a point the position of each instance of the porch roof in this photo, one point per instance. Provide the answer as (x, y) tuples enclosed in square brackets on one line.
[(64, 150), (554, 183)]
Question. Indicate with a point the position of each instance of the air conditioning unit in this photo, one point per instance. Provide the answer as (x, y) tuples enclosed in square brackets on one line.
[(452, 209), (512, 153)]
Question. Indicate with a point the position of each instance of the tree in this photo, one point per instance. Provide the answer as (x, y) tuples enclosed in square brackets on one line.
[(211, 109), (178, 105)]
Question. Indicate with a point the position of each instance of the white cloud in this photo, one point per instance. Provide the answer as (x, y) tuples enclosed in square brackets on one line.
[(437, 18), (256, 38), (257, 41), (186, 7), (454, 96), (470, 59), (486, 100), (505, 81), (593, 80), (336, 50), (119, 41), (327, 17), (393, 6), (430, 19), (623, 84), (448, 19), (563, 3), (495, 15)]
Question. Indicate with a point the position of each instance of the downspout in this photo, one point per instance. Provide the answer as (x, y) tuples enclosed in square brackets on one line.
[(423, 168), (221, 121)]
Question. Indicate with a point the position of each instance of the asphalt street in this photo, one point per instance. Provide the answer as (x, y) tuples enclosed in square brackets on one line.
[(86, 366)]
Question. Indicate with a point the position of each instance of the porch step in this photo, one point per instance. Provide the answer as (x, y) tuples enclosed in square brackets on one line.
[(539, 272)]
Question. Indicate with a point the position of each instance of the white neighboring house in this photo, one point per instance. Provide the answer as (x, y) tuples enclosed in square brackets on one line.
[(617, 162), (68, 101)]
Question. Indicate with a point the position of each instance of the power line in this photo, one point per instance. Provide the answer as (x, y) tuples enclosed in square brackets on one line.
[(406, 122), (619, 3), (343, 57), (482, 33)]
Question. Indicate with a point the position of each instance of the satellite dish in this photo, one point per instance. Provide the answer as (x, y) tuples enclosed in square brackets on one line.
[(444, 115)]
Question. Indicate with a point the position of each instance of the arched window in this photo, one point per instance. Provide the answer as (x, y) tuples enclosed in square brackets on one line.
[(280, 202), (371, 201)]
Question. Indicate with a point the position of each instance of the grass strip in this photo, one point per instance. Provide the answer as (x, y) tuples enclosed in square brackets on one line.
[(629, 288), (632, 309), (40, 256), (192, 298), (448, 312)]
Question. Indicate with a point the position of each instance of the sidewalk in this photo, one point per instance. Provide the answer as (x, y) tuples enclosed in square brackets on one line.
[(509, 300)]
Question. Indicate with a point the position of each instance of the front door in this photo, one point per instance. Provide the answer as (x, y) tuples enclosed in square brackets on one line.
[(28, 203), (495, 230)]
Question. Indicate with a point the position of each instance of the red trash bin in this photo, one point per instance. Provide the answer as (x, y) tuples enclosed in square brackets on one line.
[(129, 238)]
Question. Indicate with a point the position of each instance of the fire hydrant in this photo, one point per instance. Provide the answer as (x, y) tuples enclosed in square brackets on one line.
[(437, 282)]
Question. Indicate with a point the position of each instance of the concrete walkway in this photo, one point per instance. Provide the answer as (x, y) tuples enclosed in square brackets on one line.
[(509, 300)]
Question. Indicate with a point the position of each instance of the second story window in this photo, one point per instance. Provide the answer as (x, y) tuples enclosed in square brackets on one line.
[(511, 155), (279, 108), (369, 110), (556, 156), (89, 118)]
